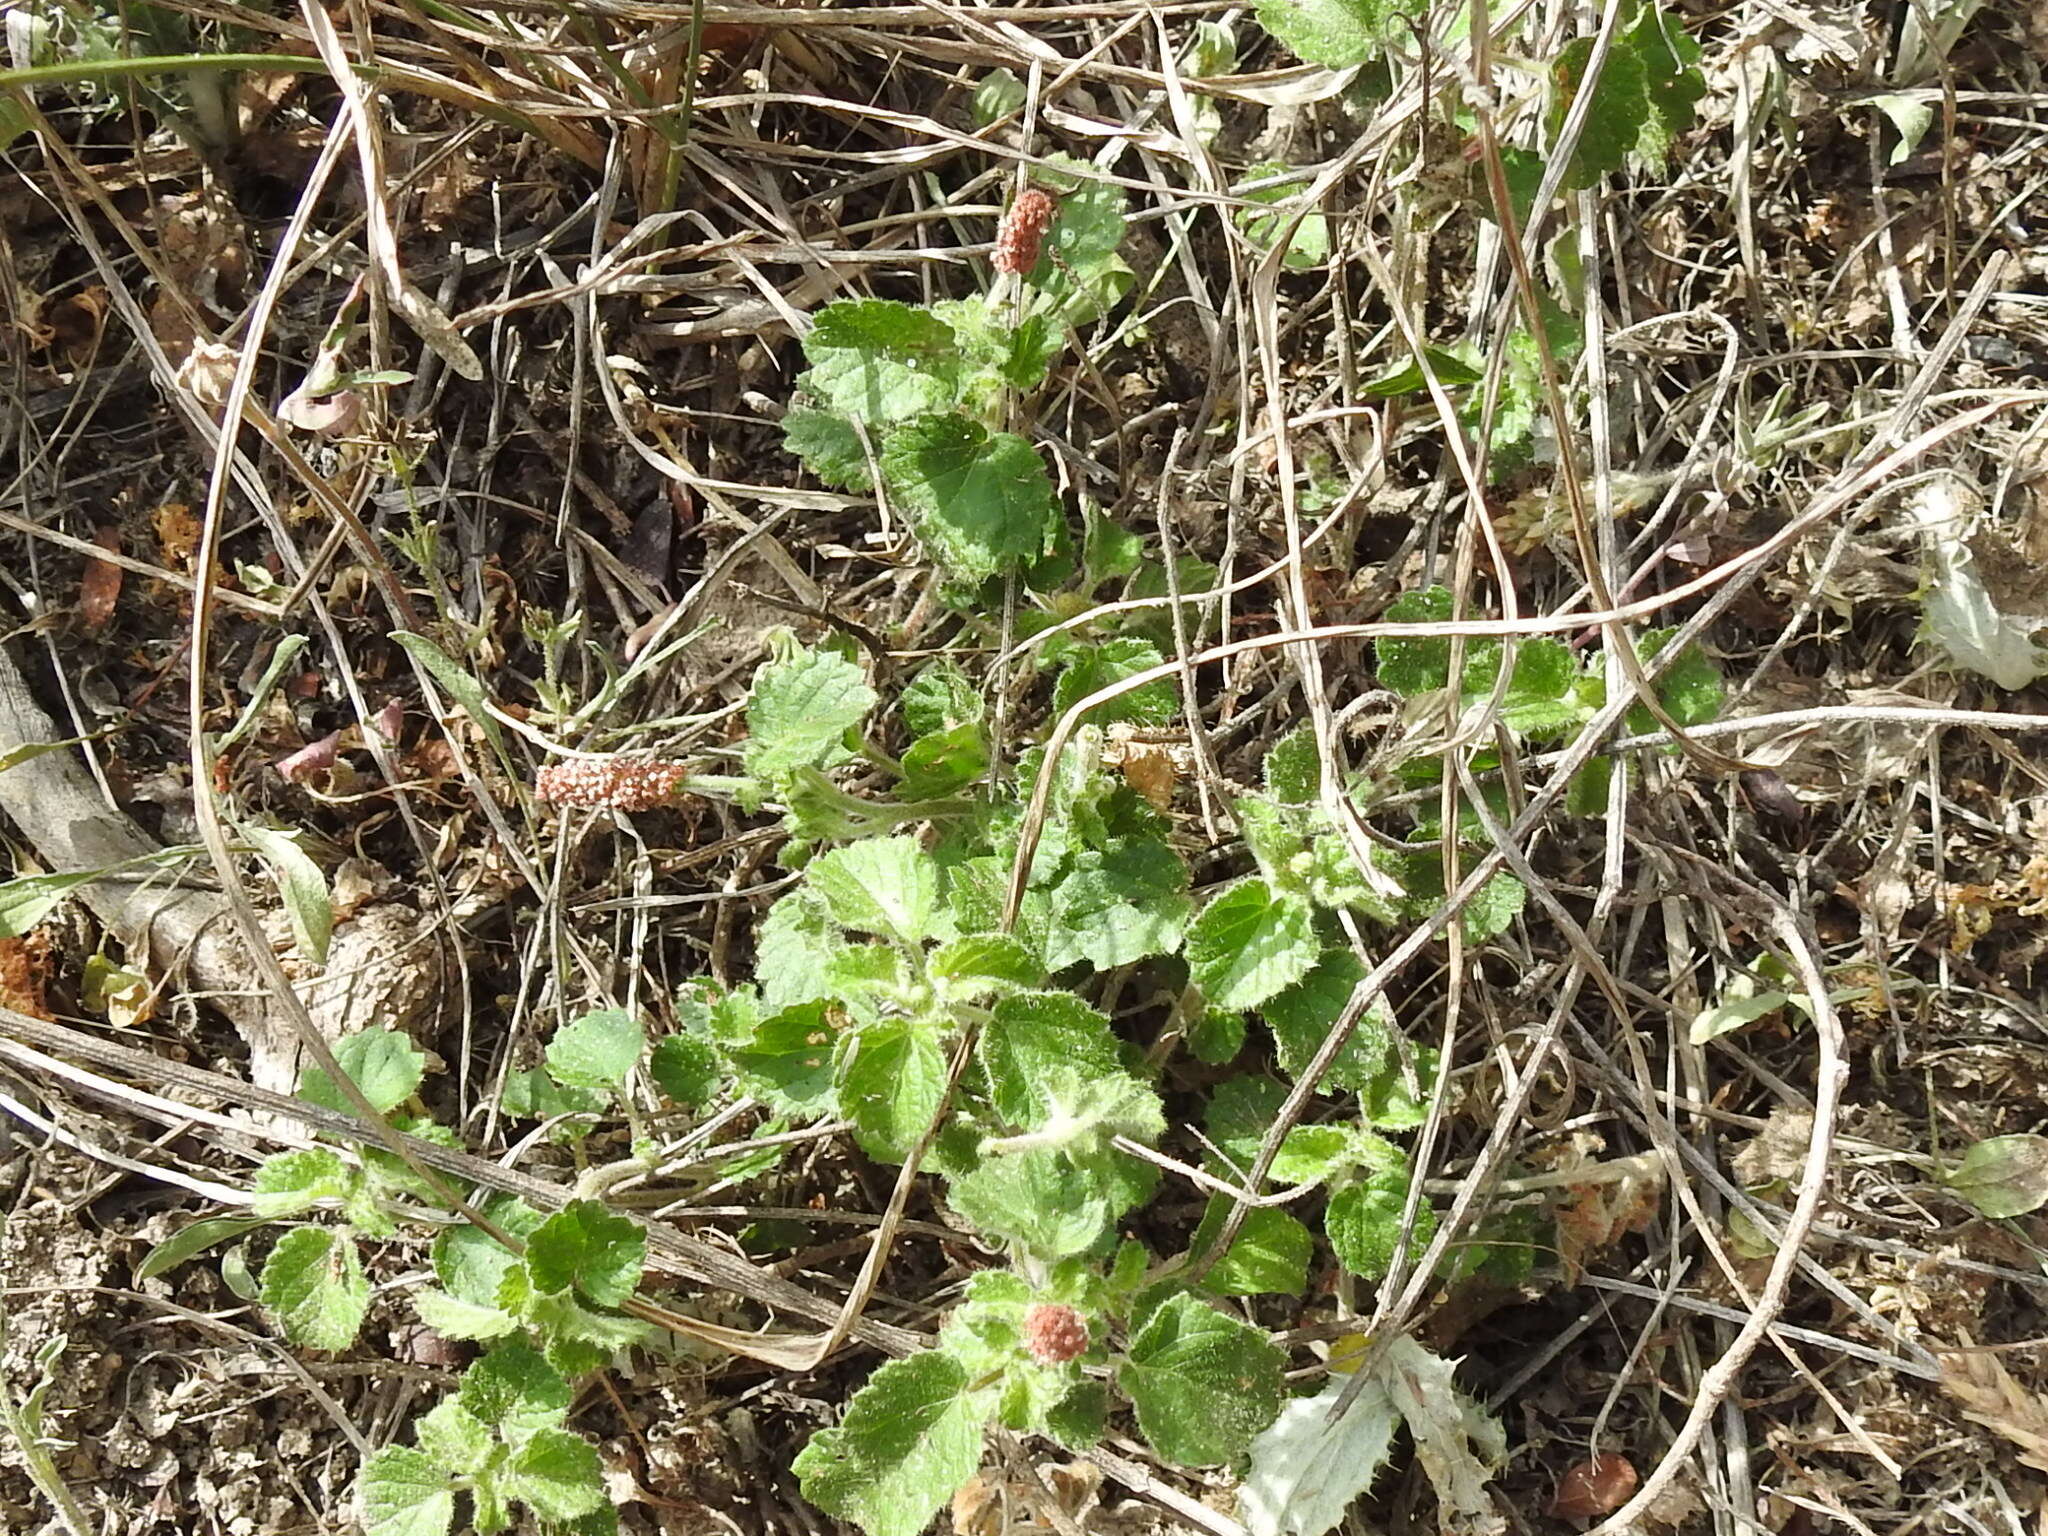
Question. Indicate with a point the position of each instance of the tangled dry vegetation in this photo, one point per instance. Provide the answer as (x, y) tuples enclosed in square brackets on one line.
[(558, 263)]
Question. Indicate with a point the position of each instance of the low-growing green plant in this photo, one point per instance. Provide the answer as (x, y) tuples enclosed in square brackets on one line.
[(916, 398)]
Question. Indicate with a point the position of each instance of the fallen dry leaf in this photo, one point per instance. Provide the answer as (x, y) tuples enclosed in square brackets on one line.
[(177, 534), (22, 977), (100, 588), (1597, 1486)]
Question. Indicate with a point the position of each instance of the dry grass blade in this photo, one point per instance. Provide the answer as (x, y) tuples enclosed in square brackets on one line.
[(1978, 1383)]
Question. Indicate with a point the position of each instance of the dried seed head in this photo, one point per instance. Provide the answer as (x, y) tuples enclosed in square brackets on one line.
[(1054, 1333), (621, 784), (1023, 229)]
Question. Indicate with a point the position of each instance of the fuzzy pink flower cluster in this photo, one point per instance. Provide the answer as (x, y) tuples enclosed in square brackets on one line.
[(1023, 230), (1054, 1333), (615, 783)]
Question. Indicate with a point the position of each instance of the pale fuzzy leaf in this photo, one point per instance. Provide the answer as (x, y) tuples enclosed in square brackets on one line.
[(302, 887), (1306, 1471), (1458, 1443), (1960, 610)]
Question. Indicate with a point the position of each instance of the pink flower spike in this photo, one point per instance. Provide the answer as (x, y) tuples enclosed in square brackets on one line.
[(614, 783), (1054, 1333), (1023, 229)]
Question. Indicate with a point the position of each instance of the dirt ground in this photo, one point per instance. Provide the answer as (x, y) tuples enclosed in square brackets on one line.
[(1821, 343)]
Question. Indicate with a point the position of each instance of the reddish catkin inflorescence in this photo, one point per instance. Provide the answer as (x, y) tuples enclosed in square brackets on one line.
[(615, 783), (1023, 230), (1054, 1333)]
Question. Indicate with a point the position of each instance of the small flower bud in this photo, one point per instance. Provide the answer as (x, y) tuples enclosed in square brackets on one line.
[(1054, 1333), (617, 783), (1023, 229)]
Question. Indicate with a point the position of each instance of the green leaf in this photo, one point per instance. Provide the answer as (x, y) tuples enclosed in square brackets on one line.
[(1364, 1225), (1269, 1255), (597, 1051), (290, 1182), (535, 1095), (474, 1264), (789, 1061), (1109, 551), (1385, 1099), (1250, 943), (830, 447), (1689, 688), (1645, 96), (793, 950), (978, 964), (1540, 700), (588, 1247), (939, 698), (801, 707), (1090, 667), (385, 1064), (1423, 665), (2003, 1175), (1492, 907), (454, 1318), (516, 1391), (881, 362), (945, 762), (1001, 357), (892, 1085), (1031, 1046), (981, 500), (1673, 81), (456, 682), (1045, 1201), (556, 1474), (686, 1069), (1081, 1418), (996, 95), (455, 1438), (1452, 371), (1215, 1036), (910, 1438), (1620, 111), (1117, 905), (1293, 769), (301, 885), (1204, 1384), (403, 1493), (27, 899), (1300, 1019), (189, 1242), (1079, 271), (1338, 33), (1241, 1111), (313, 1283), (1309, 245), (883, 885)]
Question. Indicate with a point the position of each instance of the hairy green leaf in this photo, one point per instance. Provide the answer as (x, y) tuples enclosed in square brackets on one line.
[(910, 1437), (1204, 1384)]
